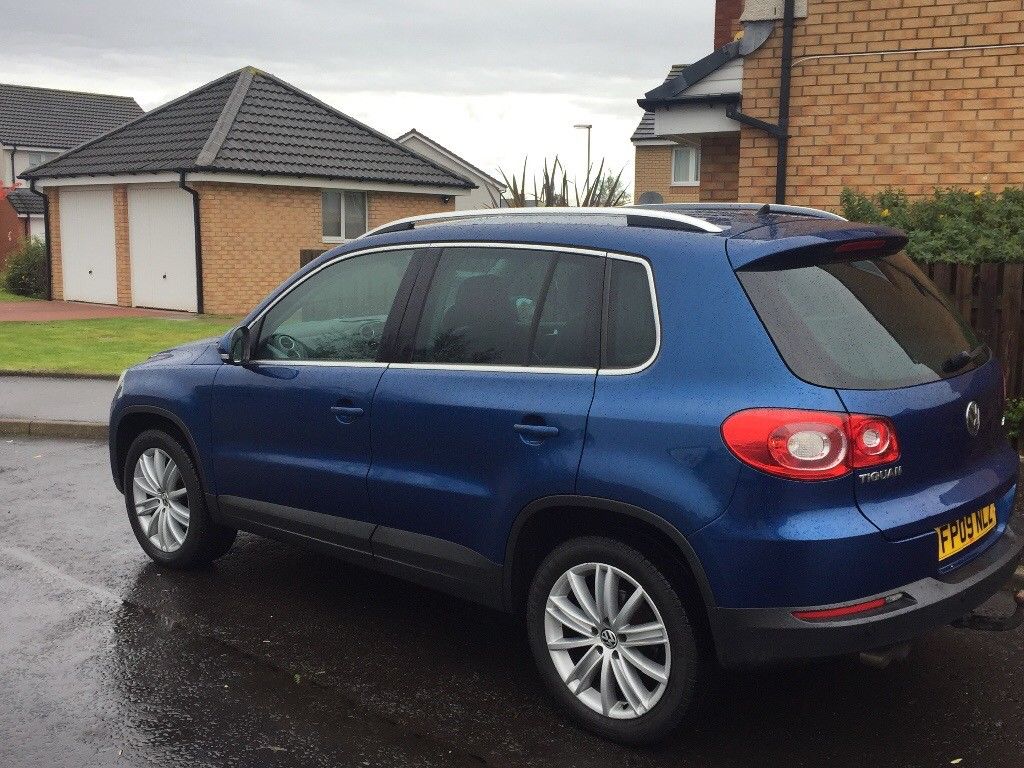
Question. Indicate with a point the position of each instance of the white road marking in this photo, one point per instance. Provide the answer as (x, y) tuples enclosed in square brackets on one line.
[(38, 563)]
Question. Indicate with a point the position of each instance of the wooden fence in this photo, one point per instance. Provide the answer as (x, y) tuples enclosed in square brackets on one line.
[(989, 296)]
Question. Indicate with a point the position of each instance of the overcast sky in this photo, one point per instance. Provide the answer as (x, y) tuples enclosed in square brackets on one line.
[(493, 81)]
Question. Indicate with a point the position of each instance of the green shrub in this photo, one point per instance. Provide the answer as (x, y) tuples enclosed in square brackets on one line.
[(953, 225), (1015, 418), (26, 269)]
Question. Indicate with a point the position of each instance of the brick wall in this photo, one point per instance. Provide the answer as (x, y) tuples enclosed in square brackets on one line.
[(727, 14), (252, 236), (56, 272), (720, 168), (910, 120), (122, 248), (12, 230), (388, 206), (719, 174)]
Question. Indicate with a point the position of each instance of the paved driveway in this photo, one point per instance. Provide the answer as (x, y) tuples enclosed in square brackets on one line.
[(42, 311), (277, 656)]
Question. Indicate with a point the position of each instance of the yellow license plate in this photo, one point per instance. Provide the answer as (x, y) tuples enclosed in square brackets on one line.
[(960, 534)]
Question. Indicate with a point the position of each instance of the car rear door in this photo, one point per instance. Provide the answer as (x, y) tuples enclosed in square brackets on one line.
[(876, 329), (291, 429), (487, 410)]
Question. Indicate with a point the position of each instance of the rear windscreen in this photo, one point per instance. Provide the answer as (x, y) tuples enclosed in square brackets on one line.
[(872, 324)]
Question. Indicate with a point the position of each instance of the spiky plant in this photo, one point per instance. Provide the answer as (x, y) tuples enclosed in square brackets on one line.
[(598, 189)]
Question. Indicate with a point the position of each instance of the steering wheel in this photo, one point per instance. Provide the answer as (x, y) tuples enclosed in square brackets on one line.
[(544, 345), (371, 330), (286, 347)]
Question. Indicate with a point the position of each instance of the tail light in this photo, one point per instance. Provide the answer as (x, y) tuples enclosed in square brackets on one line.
[(810, 445)]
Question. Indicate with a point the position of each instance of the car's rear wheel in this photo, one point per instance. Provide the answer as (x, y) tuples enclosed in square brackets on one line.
[(613, 641), (166, 505)]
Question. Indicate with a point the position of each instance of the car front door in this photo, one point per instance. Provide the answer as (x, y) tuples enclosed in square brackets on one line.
[(486, 409), (291, 428)]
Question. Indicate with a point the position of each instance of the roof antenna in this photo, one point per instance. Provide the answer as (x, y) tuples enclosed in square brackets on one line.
[(764, 210)]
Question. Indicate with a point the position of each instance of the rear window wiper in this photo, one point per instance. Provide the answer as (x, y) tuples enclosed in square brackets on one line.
[(962, 359)]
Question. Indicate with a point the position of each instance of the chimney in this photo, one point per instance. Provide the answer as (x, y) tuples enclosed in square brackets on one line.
[(727, 16)]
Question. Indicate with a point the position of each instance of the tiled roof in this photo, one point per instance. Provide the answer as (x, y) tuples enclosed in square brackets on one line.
[(250, 122), (45, 118), (645, 130), (25, 202)]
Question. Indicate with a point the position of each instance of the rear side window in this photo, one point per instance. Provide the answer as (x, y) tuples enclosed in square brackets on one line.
[(632, 334), (515, 307), (871, 324)]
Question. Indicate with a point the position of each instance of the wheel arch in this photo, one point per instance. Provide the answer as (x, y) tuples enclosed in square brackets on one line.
[(548, 521), (135, 420)]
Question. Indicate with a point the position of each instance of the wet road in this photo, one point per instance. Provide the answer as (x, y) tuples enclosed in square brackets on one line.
[(277, 656)]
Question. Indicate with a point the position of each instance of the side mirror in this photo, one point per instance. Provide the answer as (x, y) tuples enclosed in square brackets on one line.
[(239, 350)]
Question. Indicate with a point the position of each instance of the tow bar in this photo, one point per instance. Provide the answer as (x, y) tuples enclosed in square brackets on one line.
[(983, 623)]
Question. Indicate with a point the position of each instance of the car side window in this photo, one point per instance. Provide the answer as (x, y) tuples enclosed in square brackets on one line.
[(337, 314), (631, 336), (511, 306)]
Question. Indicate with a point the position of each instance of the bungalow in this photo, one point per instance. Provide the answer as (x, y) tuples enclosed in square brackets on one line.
[(489, 192), (208, 202)]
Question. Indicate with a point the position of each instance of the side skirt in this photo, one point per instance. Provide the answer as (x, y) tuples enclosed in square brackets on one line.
[(425, 560)]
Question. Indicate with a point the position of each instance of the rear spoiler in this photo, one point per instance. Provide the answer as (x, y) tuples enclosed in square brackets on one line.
[(800, 244)]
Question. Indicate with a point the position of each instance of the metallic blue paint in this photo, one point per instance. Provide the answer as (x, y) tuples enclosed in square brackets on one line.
[(279, 441), (437, 452), (448, 461)]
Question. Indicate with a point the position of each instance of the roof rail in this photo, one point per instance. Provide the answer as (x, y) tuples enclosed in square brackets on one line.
[(626, 216), (762, 209)]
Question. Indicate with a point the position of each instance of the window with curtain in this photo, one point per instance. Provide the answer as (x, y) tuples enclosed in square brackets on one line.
[(686, 165), (343, 214)]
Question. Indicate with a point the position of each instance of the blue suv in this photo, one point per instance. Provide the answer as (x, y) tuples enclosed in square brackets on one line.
[(669, 437)]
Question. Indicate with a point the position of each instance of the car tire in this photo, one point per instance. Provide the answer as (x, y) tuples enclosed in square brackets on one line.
[(166, 504), (665, 698)]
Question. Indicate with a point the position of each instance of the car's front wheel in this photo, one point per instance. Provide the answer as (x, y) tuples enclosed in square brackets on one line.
[(166, 505), (612, 640)]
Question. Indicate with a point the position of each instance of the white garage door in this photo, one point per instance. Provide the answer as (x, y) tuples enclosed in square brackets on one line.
[(87, 245), (163, 248)]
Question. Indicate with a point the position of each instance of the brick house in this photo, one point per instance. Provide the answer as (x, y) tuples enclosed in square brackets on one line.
[(914, 94), (36, 125), (21, 217), (208, 202)]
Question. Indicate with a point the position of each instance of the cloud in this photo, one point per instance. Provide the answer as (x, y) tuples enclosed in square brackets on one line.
[(493, 80)]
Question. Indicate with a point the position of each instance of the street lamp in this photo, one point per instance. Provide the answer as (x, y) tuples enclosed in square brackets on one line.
[(586, 126)]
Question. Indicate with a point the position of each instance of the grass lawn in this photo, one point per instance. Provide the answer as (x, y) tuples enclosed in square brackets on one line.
[(5, 296), (98, 347)]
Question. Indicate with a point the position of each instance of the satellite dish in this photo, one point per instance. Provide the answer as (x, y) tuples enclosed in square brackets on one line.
[(651, 198)]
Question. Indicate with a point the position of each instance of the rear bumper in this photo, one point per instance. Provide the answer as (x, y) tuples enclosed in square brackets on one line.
[(748, 637)]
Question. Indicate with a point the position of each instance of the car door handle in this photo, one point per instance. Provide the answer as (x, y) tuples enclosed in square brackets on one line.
[(347, 412), (536, 430)]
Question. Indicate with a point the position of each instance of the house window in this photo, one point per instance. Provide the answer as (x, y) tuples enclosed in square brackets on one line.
[(686, 166), (343, 214), (38, 158)]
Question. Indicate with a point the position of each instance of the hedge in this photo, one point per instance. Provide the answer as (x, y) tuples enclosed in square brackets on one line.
[(26, 269), (953, 225)]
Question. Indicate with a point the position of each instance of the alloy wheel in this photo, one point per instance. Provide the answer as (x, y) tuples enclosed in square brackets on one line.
[(161, 500), (607, 640)]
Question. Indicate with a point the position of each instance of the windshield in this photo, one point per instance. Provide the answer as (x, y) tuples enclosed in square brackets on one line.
[(871, 324)]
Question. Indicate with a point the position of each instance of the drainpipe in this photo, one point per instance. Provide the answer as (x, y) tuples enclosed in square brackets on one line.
[(14, 176), (46, 234), (780, 130), (199, 240), (785, 79)]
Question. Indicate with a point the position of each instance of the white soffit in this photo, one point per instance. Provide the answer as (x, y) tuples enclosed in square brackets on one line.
[(770, 10)]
